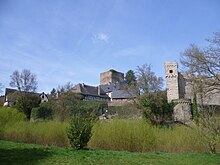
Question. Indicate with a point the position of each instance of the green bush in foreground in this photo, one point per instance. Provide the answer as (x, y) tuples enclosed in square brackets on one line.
[(79, 132), (8, 117)]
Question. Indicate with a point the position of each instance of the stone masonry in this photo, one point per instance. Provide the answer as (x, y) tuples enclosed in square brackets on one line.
[(111, 76), (175, 84)]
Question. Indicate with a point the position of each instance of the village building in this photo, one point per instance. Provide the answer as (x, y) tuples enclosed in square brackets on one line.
[(11, 95), (111, 88)]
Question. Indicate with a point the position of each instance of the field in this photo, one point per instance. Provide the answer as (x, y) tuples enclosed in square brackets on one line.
[(21, 153)]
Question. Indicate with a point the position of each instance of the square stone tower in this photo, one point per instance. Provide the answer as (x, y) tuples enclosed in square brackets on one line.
[(171, 71), (111, 76)]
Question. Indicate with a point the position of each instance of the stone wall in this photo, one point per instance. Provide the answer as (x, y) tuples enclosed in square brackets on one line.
[(111, 76), (171, 71), (182, 111), (120, 102)]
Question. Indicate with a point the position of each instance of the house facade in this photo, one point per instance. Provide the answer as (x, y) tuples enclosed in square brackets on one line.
[(11, 95)]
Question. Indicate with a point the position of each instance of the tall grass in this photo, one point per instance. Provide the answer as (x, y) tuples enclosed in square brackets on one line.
[(14, 127), (127, 135), (47, 133), (118, 134), (131, 135)]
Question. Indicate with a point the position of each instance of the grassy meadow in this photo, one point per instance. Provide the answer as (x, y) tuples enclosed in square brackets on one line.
[(22, 154), (116, 134)]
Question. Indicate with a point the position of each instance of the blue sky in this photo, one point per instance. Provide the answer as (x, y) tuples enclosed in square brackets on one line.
[(76, 40)]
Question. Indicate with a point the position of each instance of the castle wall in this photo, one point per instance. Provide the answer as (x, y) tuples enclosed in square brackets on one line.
[(171, 71), (181, 84), (182, 111), (111, 77)]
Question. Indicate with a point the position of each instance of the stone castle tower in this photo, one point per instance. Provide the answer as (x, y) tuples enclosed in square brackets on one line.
[(171, 72), (175, 85), (111, 76)]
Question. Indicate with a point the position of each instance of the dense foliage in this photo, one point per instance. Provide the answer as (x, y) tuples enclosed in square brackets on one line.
[(80, 130), (155, 107), (44, 112), (26, 102)]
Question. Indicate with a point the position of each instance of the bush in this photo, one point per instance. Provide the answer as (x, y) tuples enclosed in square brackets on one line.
[(44, 112), (96, 108), (79, 132), (9, 117), (26, 103), (125, 112)]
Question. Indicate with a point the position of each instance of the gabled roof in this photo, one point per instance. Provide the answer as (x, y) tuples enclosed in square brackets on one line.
[(88, 90), (121, 94)]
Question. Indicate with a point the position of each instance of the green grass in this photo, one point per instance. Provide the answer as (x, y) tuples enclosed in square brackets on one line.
[(22, 154)]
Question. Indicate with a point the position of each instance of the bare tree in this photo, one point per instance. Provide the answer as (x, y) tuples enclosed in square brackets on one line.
[(65, 88), (204, 63), (209, 127), (24, 81), (147, 81), (203, 67)]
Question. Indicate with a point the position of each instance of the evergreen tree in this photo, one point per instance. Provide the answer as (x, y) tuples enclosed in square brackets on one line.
[(130, 78)]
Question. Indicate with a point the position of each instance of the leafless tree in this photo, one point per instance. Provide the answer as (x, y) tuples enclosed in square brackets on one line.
[(147, 81), (24, 81), (203, 67), (209, 127), (65, 88), (204, 64)]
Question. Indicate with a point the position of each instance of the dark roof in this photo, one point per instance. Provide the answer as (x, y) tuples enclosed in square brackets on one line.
[(112, 86), (9, 91), (121, 94), (89, 90)]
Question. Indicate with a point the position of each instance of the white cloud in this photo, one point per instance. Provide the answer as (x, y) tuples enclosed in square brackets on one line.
[(101, 37)]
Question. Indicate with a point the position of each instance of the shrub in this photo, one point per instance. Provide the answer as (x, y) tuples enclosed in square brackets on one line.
[(79, 131), (44, 112), (26, 103), (89, 107), (9, 117)]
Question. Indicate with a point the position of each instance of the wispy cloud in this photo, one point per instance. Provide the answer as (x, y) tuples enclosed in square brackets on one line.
[(101, 37)]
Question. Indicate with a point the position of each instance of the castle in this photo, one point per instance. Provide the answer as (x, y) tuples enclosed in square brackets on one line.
[(180, 89), (111, 89)]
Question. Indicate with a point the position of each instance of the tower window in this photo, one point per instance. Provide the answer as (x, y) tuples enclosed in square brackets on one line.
[(170, 71)]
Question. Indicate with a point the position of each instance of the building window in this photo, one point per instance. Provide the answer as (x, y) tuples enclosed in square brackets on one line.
[(170, 71)]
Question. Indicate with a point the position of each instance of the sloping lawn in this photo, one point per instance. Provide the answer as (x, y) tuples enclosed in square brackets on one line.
[(22, 154)]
